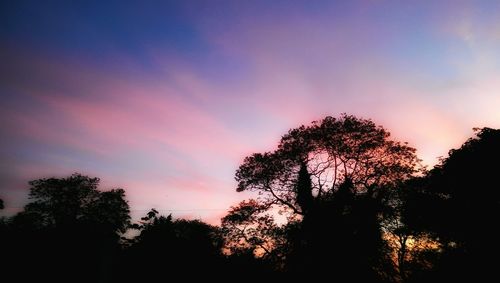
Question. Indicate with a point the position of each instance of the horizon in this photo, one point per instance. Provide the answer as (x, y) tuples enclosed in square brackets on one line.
[(165, 100)]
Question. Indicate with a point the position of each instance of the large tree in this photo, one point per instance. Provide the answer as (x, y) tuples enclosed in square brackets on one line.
[(458, 202), (335, 175), (313, 162)]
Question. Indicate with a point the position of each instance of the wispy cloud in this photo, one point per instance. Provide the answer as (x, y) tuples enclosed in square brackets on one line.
[(171, 124)]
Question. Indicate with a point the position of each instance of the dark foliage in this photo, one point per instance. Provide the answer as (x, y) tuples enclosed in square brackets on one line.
[(458, 203), (172, 249), (68, 232), (339, 201), (335, 175)]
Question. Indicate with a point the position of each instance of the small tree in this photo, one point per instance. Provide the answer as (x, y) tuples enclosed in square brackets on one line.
[(171, 248), (250, 227)]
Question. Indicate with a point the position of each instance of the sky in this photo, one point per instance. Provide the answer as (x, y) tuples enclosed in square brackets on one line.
[(166, 98)]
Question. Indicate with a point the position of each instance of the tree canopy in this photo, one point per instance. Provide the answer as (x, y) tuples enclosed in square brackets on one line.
[(334, 176), (458, 203), (76, 200), (330, 152), (70, 230), (172, 248), (338, 199)]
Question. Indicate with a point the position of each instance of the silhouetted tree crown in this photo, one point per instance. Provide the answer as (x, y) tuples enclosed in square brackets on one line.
[(463, 191), (168, 248), (250, 228), (76, 200), (69, 231), (312, 162), (458, 204), (333, 177)]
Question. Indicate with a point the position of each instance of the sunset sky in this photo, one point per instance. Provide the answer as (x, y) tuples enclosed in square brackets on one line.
[(166, 98)]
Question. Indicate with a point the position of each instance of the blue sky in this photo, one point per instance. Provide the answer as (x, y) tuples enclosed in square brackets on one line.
[(166, 98)]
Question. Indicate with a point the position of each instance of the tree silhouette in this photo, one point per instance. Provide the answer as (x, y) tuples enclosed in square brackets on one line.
[(167, 248), (356, 206), (68, 228), (249, 228), (66, 202), (461, 197), (331, 151), (335, 175), (414, 250)]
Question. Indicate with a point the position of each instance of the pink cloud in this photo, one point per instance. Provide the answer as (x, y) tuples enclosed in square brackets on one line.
[(174, 138)]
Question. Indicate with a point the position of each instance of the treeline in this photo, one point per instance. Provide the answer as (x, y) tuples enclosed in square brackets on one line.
[(339, 200)]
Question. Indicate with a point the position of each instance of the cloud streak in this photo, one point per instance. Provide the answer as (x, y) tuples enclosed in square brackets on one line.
[(172, 124)]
